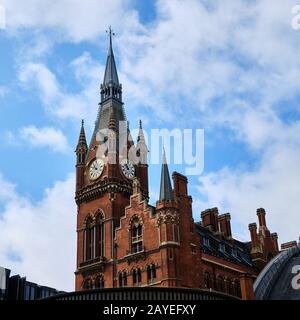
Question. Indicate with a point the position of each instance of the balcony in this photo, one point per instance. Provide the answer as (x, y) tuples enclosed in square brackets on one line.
[(96, 262), (135, 256)]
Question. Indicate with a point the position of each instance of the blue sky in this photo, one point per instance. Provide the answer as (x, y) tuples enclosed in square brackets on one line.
[(231, 69)]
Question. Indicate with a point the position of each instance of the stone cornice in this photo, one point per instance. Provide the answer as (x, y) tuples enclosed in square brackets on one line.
[(97, 189)]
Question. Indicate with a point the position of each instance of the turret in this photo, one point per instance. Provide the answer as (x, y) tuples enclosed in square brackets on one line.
[(168, 225), (81, 152), (142, 155)]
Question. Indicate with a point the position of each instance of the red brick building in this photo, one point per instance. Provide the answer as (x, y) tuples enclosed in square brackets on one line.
[(124, 241)]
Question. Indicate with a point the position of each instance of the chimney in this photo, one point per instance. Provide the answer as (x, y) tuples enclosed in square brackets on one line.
[(288, 245), (261, 213), (253, 234), (224, 225), (180, 184), (209, 219), (274, 237)]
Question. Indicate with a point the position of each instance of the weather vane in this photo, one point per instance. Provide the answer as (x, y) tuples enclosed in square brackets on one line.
[(110, 31)]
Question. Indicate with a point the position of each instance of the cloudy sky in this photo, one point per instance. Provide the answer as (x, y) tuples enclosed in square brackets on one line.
[(231, 67)]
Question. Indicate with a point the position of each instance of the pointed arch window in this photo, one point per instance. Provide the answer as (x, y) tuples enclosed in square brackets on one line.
[(220, 284), (87, 284), (122, 279), (99, 236), (136, 277), (89, 239), (136, 236), (151, 273), (99, 282), (237, 288), (207, 280)]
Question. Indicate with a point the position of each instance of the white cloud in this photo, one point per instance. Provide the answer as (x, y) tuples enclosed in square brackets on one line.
[(244, 53), (73, 20), (44, 137), (274, 185), (59, 102), (38, 240)]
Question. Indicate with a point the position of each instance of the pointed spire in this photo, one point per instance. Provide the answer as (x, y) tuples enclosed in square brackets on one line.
[(141, 137), (82, 138), (111, 75), (82, 147), (141, 146), (166, 192)]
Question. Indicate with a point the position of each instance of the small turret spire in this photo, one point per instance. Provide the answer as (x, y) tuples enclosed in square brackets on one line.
[(82, 138), (81, 149), (166, 192)]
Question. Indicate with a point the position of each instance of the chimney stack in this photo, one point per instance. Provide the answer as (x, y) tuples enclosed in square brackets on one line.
[(209, 219), (274, 237), (261, 213), (253, 234), (180, 184), (224, 225)]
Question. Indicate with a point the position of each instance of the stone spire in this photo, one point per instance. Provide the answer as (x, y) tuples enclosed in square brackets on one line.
[(111, 92), (166, 192), (141, 147), (82, 147), (110, 75), (82, 138)]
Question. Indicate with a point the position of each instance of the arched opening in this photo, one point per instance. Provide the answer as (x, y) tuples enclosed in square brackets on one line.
[(220, 284), (99, 231), (207, 280), (87, 284), (89, 238), (99, 282), (136, 277), (136, 236), (122, 279), (151, 273)]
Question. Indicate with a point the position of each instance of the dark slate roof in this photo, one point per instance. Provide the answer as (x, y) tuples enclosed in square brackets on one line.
[(110, 75), (233, 251), (166, 192)]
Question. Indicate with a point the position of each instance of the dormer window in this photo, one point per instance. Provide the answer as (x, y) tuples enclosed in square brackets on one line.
[(222, 247), (206, 242), (234, 252)]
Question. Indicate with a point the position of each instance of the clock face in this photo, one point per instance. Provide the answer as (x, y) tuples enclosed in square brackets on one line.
[(96, 169), (127, 169)]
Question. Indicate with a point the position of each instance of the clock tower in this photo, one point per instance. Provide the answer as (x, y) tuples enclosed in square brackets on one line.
[(104, 182)]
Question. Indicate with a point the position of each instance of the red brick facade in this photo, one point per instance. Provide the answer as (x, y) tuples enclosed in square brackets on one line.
[(124, 241)]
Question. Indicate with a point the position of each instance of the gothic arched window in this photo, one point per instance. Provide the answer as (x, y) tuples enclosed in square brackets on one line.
[(220, 284), (207, 280), (99, 282), (237, 288), (136, 236), (87, 284), (99, 232), (151, 273), (122, 279), (89, 239), (136, 277)]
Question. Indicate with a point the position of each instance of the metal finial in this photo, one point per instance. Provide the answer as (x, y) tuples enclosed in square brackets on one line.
[(141, 127), (111, 33)]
